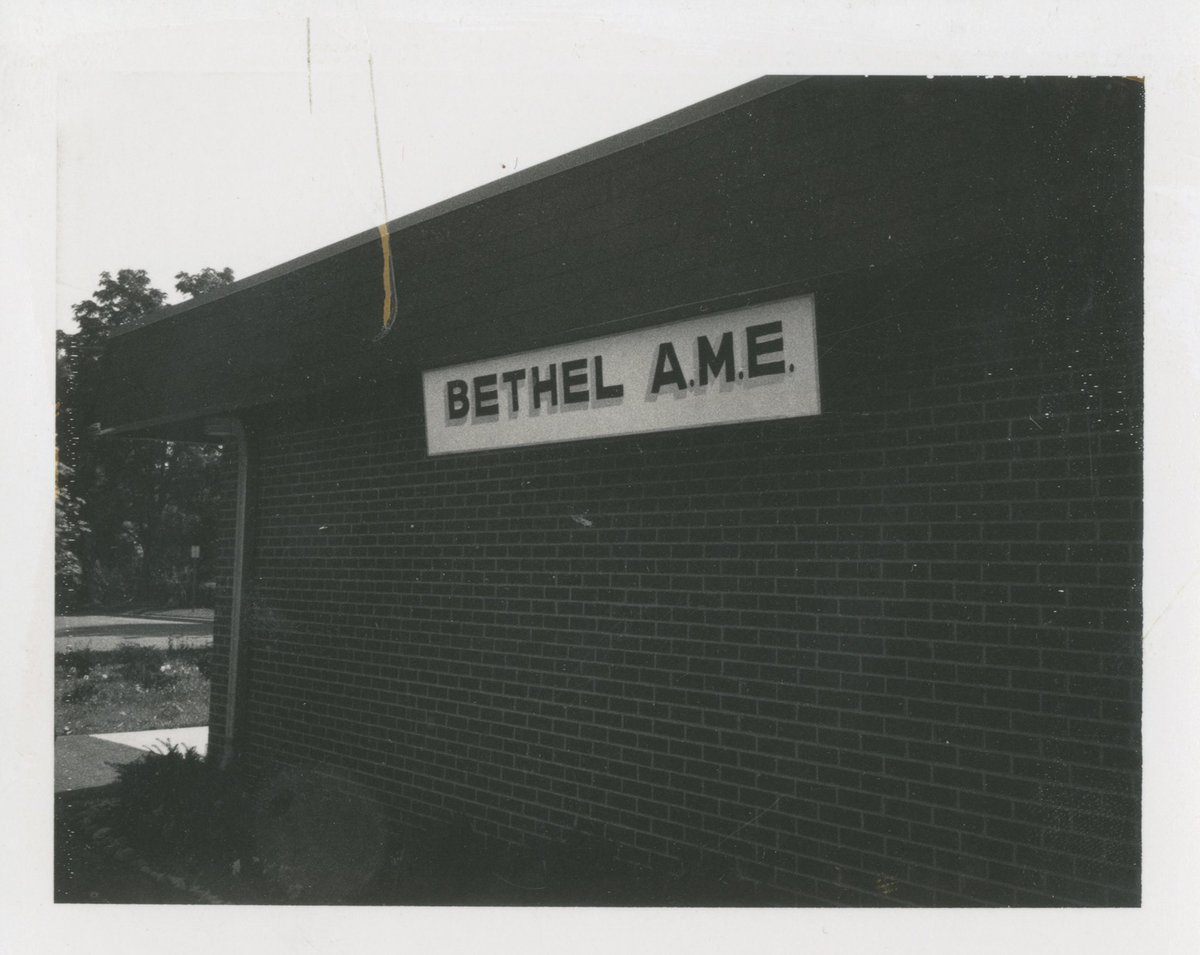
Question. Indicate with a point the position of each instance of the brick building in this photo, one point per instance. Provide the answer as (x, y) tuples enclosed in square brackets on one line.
[(880, 647)]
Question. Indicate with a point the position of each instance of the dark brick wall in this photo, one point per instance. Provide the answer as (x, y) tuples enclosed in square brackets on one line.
[(888, 654)]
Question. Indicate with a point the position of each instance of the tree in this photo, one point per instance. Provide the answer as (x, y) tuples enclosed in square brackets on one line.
[(116, 301), (203, 281), (69, 529), (127, 509)]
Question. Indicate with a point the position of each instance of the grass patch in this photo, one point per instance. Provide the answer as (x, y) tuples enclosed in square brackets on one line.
[(130, 688)]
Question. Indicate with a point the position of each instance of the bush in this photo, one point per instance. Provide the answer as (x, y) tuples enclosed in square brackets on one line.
[(127, 654), (173, 804), (204, 663), (147, 667), (108, 586), (81, 692), (80, 661), (290, 836)]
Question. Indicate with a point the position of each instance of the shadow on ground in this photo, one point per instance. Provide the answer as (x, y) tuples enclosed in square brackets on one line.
[(85, 871)]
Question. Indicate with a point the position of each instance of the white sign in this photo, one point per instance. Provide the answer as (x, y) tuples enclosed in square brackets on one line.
[(749, 364)]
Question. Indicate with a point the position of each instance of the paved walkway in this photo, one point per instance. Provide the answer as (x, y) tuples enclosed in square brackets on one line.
[(83, 762), (183, 628), (195, 737)]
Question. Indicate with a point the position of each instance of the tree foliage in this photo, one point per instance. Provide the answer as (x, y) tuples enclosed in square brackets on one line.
[(69, 530), (116, 301), (203, 281), (127, 510)]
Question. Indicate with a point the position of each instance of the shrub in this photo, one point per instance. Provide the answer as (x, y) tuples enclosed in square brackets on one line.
[(81, 692), (80, 661), (319, 838), (147, 667), (135, 653), (204, 663), (174, 804)]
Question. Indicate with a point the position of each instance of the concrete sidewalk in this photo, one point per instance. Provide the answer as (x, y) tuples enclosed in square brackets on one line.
[(192, 737), (85, 762)]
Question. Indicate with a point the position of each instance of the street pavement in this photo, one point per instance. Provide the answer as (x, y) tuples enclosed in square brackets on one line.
[(181, 628)]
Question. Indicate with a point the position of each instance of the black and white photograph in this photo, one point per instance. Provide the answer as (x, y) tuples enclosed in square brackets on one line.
[(584, 469)]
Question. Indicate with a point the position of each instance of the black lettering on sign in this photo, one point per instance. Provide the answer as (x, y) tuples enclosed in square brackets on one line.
[(714, 362), (756, 347), (667, 370), (457, 400), (487, 404), (574, 374), (513, 378), (602, 390), (549, 386)]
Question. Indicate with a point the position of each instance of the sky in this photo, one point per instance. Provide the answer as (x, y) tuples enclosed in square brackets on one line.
[(244, 135), (221, 158), (174, 136)]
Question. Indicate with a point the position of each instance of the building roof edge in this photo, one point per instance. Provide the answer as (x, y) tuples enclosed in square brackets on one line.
[(627, 139)]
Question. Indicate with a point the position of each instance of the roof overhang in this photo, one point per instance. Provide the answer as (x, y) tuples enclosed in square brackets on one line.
[(772, 187)]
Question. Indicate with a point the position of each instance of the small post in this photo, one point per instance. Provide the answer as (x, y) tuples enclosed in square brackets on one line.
[(195, 571)]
